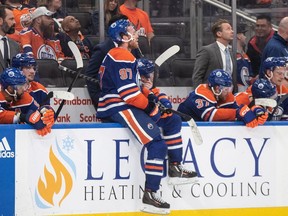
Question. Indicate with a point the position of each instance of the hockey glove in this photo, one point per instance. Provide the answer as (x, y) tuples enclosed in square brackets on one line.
[(44, 131), (164, 100), (47, 114), (153, 111), (33, 118), (247, 116), (260, 113)]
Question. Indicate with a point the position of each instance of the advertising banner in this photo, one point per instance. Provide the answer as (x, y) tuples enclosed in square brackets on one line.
[(99, 170), (81, 109)]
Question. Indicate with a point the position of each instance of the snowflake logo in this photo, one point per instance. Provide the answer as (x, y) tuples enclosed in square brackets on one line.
[(68, 144)]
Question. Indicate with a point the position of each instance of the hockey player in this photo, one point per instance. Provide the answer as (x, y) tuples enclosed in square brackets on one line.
[(17, 106), (275, 69), (215, 102), (122, 101), (169, 123), (27, 65)]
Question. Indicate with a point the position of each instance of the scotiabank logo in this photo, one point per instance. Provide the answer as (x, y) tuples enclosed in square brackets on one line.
[(5, 150)]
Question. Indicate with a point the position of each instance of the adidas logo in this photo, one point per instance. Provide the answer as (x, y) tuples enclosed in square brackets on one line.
[(5, 150)]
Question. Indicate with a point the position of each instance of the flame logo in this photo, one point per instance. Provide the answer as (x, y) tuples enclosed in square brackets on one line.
[(56, 185)]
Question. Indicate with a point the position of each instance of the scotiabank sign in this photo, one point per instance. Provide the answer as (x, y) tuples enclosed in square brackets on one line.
[(81, 109)]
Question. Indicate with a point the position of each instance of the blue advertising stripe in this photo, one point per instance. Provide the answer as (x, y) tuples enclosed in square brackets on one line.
[(7, 170)]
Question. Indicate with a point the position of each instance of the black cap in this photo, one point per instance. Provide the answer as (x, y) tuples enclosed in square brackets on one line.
[(241, 29)]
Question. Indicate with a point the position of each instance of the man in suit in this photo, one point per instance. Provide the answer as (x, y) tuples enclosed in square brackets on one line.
[(7, 26), (216, 55)]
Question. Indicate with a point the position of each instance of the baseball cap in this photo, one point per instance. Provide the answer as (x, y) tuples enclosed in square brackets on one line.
[(40, 11), (241, 29)]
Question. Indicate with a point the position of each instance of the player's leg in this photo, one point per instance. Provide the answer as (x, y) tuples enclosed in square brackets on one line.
[(171, 133), (148, 134)]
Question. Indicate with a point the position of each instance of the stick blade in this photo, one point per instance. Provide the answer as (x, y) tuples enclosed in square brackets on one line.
[(266, 102), (195, 132), (77, 55), (64, 95), (167, 54)]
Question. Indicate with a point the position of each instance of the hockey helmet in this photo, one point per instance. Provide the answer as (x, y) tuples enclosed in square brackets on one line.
[(272, 62), (219, 77), (263, 88), (23, 60), (117, 29), (145, 67), (12, 77)]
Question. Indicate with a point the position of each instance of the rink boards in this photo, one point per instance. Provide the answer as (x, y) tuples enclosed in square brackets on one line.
[(97, 169)]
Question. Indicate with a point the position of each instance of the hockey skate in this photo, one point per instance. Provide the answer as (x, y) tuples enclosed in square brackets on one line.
[(179, 175), (154, 204)]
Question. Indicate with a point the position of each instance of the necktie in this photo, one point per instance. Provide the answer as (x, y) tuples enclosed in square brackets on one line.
[(228, 62), (5, 54)]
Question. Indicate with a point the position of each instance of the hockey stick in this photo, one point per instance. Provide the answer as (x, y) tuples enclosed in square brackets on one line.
[(167, 54), (79, 63), (63, 68), (64, 95), (195, 131), (162, 58), (280, 101), (266, 102)]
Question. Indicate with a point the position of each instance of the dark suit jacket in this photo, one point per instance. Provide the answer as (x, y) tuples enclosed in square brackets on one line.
[(208, 59), (14, 50)]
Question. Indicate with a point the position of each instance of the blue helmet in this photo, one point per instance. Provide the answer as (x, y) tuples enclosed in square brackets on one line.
[(117, 29), (219, 77), (23, 60), (12, 77), (272, 62), (145, 67), (263, 88)]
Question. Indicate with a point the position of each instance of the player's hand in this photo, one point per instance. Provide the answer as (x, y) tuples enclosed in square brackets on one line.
[(260, 113), (44, 131), (247, 116), (164, 101), (152, 109), (48, 115)]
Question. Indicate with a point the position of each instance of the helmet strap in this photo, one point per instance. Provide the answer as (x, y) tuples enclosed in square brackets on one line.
[(12, 95), (215, 93), (269, 77), (130, 39)]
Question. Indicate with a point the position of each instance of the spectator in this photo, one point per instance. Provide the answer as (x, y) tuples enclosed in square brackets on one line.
[(215, 102), (111, 8), (138, 17), (98, 55), (263, 33), (244, 70), (22, 15), (71, 27), (56, 7), (7, 26), (216, 55), (17, 105), (27, 65), (39, 39), (277, 45)]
